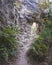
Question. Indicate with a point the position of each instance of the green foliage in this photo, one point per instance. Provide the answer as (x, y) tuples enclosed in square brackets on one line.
[(38, 50), (50, 9), (47, 32), (8, 42)]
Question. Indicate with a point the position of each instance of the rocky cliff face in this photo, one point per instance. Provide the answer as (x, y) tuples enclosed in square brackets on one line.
[(8, 12)]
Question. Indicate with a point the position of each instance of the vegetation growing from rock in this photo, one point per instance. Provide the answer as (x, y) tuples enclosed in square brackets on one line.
[(40, 48), (34, 21), (8, 42)]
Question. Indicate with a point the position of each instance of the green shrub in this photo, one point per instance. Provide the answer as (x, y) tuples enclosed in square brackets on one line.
[(38, 51), (8, 42), (46, 34)]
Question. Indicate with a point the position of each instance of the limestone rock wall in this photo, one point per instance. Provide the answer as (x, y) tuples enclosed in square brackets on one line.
[(8, 12)]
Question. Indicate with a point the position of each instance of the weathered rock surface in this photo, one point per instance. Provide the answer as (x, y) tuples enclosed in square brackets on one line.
[(7, 12), (11, 15)]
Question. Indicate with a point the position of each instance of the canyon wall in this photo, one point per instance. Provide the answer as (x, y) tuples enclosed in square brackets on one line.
[(8, 12)]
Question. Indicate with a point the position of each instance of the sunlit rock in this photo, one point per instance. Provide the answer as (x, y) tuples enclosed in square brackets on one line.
[(33, 28)]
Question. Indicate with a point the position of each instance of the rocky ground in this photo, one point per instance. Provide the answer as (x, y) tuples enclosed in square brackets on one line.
[(25, 39)]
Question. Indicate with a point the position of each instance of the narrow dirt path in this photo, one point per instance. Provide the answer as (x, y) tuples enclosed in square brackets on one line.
[(25, 40)]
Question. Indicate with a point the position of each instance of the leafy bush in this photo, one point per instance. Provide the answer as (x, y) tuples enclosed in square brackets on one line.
[(46, 34), (38, 50), (8, 42)]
